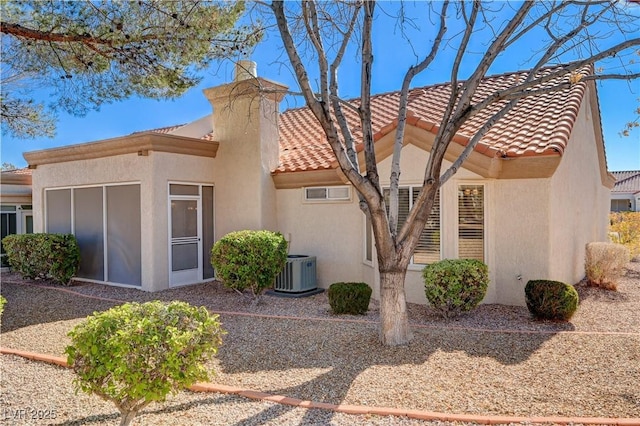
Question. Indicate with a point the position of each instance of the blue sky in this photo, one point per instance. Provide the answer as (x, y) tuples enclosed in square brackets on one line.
[(618, 99)]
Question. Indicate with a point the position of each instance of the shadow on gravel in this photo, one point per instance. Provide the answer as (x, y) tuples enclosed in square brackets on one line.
[(335, 355), (167, 408), (101, 418), (632, 273), (28, 305), (213, 404), (587, 292), (628, 290)]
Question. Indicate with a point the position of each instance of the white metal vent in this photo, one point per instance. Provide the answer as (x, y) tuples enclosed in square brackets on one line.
[(298, 275)]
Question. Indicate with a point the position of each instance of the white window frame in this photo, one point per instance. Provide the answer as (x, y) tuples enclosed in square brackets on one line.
[(328, 198), (368, 234), (21, 215), (485, 220), (369, 231), (198, 197), (17, 213)]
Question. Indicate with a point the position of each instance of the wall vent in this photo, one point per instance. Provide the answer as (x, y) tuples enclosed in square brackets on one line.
[(298, 275)]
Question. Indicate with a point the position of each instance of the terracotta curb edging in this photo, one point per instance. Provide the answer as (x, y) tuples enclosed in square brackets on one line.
[(360, 409), (49, 359)]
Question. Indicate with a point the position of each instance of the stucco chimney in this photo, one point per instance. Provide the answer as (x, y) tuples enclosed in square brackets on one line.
[(246, 70), (245, 123)]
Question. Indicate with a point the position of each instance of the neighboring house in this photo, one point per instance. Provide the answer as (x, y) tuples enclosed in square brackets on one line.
[(146, 208), (625, 195), (15, 205)]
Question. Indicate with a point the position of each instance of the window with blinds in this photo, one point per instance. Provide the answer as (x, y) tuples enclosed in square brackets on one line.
[(471, 222), (428, 249), (328, 193)]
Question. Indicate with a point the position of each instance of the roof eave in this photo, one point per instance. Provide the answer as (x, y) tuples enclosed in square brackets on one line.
[(483, 160), (302, 178), (140, 143), (15, 179), (607, 179)]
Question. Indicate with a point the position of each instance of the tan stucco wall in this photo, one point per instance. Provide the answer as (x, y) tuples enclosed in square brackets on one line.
[(245, 125), (579, 203), (245, 192), (519, 223), (152, 172), (331, 231), (269, 159)]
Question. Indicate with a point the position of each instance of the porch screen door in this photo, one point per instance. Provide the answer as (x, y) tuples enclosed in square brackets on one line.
[(186, 238)]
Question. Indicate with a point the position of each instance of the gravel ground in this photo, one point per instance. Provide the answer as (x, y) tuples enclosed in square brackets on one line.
[(494, 360)]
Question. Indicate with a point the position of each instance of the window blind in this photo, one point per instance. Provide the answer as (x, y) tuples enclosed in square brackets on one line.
[(471, 222), (428, 248)]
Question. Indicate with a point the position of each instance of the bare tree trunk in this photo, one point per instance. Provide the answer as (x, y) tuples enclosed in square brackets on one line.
[(127, 418), (394, 320)]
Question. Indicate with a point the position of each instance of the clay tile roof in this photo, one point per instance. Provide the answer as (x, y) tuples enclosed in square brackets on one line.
[(169, 129), (627, 181), (208, 137), (538, 125), (164, 130), (16, 177), (17, 172)]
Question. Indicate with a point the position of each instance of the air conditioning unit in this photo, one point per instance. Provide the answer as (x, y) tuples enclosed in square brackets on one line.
[(298, 275)]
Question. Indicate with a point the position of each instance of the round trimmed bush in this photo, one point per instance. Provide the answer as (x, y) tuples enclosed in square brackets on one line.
[(249, 259), (349, 298), (453, 286), (54, 256), (135, 354), (553, 300)]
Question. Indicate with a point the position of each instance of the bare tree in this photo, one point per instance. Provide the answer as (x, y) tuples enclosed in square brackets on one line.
[(570, 37)]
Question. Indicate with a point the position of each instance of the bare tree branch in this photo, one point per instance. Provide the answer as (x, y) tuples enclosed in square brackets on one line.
[(449, 128), (365, 95), (335, 99), (520, 90), (473, 142), (317, 106), (402, 118)]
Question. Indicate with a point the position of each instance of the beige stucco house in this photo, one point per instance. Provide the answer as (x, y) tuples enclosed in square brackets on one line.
[(625, 195), (147, 207)]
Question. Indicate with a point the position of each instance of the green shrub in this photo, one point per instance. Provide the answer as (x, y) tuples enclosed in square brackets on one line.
[(552, 300), (349, 298), (604, 264), (453, 286), (3, 302), (249, 259), (54, 256), (135, 354)]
